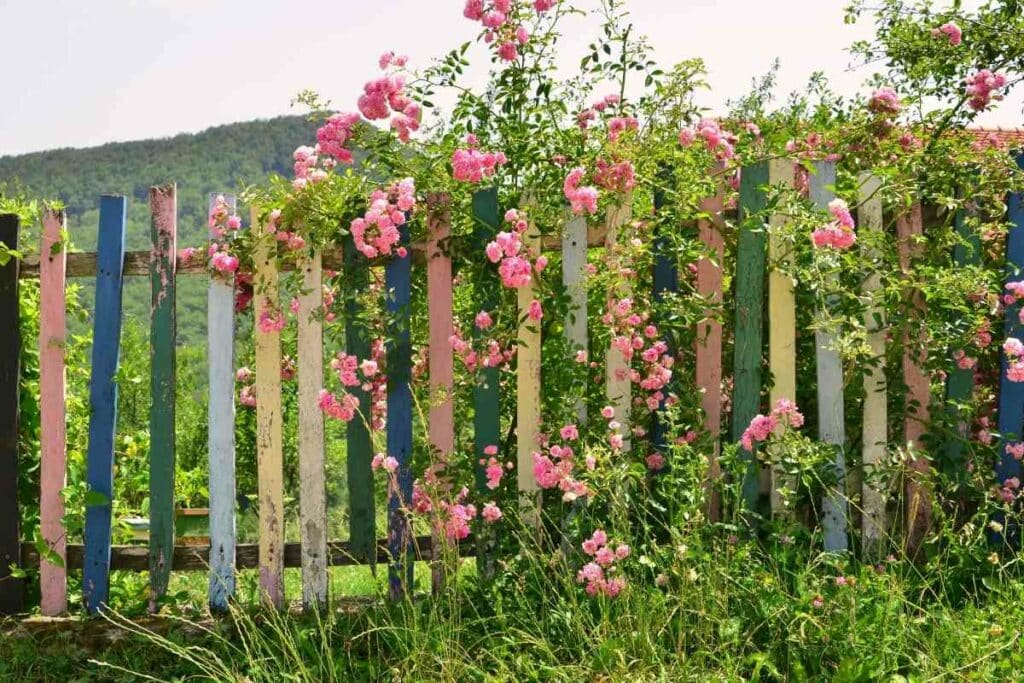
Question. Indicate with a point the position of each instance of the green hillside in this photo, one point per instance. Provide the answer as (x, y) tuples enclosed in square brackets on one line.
[(219, 159)]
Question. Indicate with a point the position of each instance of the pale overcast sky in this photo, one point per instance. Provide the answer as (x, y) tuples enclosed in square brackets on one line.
[(80, 73)]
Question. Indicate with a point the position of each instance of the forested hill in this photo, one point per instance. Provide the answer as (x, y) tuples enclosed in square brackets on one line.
[(218, 159)]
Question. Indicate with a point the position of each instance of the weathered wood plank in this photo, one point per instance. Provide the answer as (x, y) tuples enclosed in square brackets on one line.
[(749, 326), (83, 264), (528, 365), (52, 413), (960, 381), (12, 599), (574, 277), (163, 205), (269, 455), (312, 465), (909, 226), (220, 319), (397, 282), (196, 557), (359, 449), (874, 434), (440, 357), (106, 349), (708, 351), (831, 419), (781, 325), (618, 385), (486, 394)]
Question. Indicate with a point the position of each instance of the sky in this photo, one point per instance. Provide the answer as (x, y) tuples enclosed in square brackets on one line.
[(84, 73)]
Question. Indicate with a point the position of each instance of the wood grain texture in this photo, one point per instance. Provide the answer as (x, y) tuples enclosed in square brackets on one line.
[(269, 454), (909, 227), (708, 343), (440, 356), (618, 385), (12, 599), (359, 449), (312, 464), (781, 326), (103, 401), (874, 434), (52, 413), (1011, 394), (829, 367), (749, 325), (220, 318), (163, 206), (528, 365), (83, 264), (574, 277), (197, 557), (397, 282)]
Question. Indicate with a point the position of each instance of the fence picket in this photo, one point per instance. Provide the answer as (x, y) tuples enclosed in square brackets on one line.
[(486, 395), (829, 366), (1011, 394), (574, 277), (960, 381), (397, 282), (440, 356), (665, 278), (618, 384), (52, 413), (12, 598), (781, 326), (875, 413), (909, 226), (220, 323), (708, 344), (163, 207), (528, 365), (269, 455), (106, 349), (748, 330), (359, 449), (312, 467)]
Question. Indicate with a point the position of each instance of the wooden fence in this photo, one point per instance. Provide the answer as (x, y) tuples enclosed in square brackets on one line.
[(110, 264)]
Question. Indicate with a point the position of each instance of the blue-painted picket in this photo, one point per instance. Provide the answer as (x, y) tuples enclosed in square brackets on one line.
[(103, 400)]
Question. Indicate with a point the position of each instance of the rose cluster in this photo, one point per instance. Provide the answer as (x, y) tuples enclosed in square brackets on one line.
[(376, 232)]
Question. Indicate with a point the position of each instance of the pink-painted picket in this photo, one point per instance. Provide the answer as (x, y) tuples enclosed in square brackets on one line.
[(315, 553)]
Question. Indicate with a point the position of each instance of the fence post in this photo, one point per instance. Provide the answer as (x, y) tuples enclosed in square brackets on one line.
[(528, 366), (874, 434), (312, 470), (52, 418), (440, 356), (397, 274), (708, 343), (618, 384), (163, 207), (12, 599), (220, 323), (829, 366), (106, 348), (574, 264), (269, 455), (749, 326), (486, 394), (359, 450), (909, 227), (1011, 394)]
